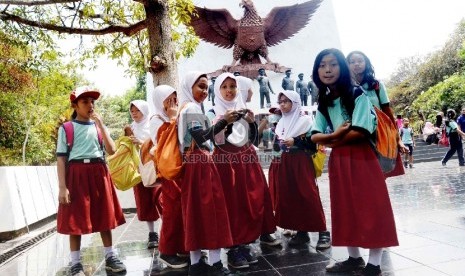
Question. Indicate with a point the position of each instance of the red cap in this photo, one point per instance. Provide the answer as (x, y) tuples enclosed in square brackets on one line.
[(84, 91)]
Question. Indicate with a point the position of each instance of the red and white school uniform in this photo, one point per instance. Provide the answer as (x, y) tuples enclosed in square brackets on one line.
[(94, 206)]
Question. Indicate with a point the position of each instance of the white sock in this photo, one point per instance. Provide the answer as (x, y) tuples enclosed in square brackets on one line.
[(151, 225), (354, 252), (214, 256), (375, 256), (75, 257), (195, 256), (108, 251)]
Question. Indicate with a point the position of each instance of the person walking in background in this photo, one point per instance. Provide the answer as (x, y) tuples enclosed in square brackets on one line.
[(204, 211), (361, 212), (406, 134), (455, 139), (244, 85), (288, 83), (399, 122), (364, 75), (302, 89), (461, 120), (265, 88), (171, 247), (85, 183), (211, 93), (297, 200), (148, 207)]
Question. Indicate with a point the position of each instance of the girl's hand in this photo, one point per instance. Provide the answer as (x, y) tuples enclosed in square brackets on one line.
[(63, 196), (135, 141), (342, 129), (402, 147), (97, 118), (249, 117), (172, 110), (230, 116), (288, 142)]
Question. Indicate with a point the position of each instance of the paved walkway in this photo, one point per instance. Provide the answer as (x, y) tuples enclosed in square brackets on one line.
[(428, 203)]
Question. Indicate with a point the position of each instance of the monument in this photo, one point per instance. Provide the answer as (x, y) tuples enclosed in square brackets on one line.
[(251, 35)]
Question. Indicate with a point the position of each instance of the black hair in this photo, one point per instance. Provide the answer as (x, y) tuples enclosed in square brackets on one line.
[(451, 114), (74, 115), (343, 85), (369, 73)]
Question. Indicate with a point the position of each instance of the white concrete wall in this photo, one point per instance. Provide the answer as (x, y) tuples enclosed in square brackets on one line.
[(30, 194), (298, 52)]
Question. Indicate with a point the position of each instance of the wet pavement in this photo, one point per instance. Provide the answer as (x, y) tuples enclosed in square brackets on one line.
[(429, 208)]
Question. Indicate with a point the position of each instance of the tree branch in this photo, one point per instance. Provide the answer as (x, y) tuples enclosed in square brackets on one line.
[(127, 30), (35, 2)]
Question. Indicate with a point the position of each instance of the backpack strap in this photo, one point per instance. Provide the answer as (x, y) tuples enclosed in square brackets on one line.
[(69, 131)]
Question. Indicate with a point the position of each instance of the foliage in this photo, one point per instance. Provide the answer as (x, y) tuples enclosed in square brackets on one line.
[(415, 76), (449, 93), (113, 28)]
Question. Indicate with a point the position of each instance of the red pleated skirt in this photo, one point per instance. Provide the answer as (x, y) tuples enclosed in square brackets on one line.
[(246, 191), (172, 230), (205, 217), (272, 174), (148, 202), (361, 212), (298, 204), (94, 205)]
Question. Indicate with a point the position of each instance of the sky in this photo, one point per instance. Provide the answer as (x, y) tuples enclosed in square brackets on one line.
[(386, 30)]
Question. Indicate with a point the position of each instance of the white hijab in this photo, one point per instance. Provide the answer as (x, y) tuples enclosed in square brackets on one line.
[(141, 129), (191, 106), (240, 129), (294, 122), (160, 94), (243, 85)]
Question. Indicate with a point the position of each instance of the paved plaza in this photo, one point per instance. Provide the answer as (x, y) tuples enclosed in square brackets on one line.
[(429, 208)]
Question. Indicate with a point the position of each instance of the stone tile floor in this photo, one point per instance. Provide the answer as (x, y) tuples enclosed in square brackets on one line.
[(428, 203)]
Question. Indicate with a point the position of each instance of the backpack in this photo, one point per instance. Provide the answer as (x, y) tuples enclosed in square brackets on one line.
[(384, 139), (123, 164), (168, 156)]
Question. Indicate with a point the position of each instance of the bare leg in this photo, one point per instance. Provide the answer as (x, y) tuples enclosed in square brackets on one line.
[(106, 238), (74, 242)]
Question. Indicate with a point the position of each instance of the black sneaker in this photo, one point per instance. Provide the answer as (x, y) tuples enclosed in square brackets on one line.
[(173, 261), (198, 269), (299, 239), (235, 259), (245, 251), (369, 270), (410, 166), (113, 264), (406, 164), (349, 265), (269, 240), (77, 270), (324, 240), (153, 240), (217, 269)]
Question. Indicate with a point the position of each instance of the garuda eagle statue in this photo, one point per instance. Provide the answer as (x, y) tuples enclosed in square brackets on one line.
[(251, 35)]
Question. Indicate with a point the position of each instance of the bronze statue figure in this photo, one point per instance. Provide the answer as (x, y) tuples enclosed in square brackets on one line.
[(252, 35)]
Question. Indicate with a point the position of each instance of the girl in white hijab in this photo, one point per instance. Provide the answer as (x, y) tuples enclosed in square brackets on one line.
[(164, 104), (205, 217), (297, 196), (244, 184), (146, 198), (139, 111)]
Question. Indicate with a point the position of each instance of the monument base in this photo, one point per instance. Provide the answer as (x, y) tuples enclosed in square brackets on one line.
[(249, 70)]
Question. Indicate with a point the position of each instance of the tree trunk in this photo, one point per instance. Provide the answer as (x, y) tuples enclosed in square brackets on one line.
[(163, 65)]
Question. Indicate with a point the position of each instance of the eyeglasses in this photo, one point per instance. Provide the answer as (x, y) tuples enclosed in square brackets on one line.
[(284, 101)]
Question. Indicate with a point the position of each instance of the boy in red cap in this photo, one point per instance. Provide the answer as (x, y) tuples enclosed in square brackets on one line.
[(87, 197)]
